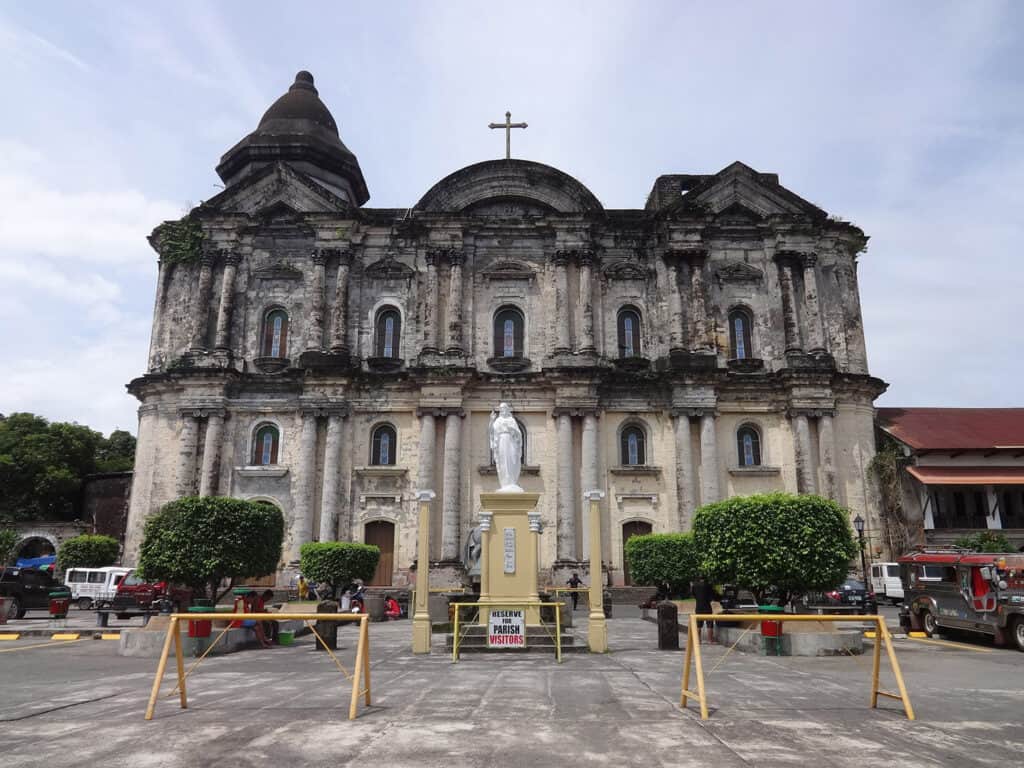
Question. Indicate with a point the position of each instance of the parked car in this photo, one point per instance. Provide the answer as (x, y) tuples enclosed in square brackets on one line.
[(134, 595), (850, 594), (94, 586), (27, 589), (885, 582)]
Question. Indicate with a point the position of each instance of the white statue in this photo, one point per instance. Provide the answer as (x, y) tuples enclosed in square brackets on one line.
[(506, 446)]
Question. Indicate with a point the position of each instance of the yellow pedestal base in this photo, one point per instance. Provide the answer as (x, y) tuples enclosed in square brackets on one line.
[(508, 560)]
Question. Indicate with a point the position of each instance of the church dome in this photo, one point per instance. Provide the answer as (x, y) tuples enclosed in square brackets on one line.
[(298, 129)]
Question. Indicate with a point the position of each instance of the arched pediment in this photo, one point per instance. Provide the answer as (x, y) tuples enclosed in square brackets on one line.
[(513, 188)]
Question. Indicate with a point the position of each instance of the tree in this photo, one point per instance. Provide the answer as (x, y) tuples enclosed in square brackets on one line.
[(986, 541), (337, 562), (793, 543), (659, 558), (87, 551), (203, 541), (42, 465), (8, 539)]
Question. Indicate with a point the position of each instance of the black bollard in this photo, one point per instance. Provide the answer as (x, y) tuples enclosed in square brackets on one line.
[(668, 626), (328, 630)]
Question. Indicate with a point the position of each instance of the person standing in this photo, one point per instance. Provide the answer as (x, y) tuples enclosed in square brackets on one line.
[(575, 582), (704, 594)]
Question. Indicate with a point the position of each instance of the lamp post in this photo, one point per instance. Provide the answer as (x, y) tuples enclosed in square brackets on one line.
[(858, 526)]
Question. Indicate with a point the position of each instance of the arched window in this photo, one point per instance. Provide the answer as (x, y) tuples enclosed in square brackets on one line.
[(634, 446), (748, 446), (384, 445), (275, 334), (629, 332), (265, 445), (739, 334), (389, 332), (508, 332)]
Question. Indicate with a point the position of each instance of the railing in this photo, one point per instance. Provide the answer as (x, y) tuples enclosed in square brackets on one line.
[(881, 636), (360, 672), (456, 637)]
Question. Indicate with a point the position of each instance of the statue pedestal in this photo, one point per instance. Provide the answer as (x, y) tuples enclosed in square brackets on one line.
[(509, 555)]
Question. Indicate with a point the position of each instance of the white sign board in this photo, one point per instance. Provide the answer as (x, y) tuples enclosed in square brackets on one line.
[(510, 550), (506, 629)]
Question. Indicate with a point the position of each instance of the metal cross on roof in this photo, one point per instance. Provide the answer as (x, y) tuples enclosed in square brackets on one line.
[(508, 125)]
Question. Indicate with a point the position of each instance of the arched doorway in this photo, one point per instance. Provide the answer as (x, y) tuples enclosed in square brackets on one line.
[(381, 533), (34, 546), (629, 530)]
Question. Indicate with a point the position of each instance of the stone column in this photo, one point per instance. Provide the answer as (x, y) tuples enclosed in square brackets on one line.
[(850, 292), (708, 458), (451, 512), (826, 456), (455, 304), (339, 317), (802, 443), (210, 474), (587, 314), (815, 332), (700, 338), (164, 273), (562, 343), (684, 470), (303, 479), (588, 475), (188, 439), (345, 481), (331, 489), (566, 533), (428, 432), (790, 320), (677, 336), (421, 628), (222, 342), (202, 312), (430, 301), (315, 331), (597, 630)]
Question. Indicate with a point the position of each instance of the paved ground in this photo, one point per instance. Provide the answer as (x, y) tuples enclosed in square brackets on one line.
[(80, 703)]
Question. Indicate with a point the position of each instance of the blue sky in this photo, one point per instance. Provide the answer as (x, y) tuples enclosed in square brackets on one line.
[(905, 118)]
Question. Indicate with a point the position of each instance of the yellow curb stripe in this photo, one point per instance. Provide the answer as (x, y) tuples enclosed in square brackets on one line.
[(870, 635), (38, 645), (959, 646), (65, 636), (10, 636), (114, 636), (918, 634)]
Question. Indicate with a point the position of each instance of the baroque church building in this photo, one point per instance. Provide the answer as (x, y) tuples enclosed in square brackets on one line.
[(334, 359)]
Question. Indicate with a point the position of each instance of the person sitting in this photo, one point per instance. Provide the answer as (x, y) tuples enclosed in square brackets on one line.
[(253, 604), (391, 608), (270, 627)]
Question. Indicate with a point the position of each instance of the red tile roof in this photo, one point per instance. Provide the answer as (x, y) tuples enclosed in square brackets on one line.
[(950, 429)]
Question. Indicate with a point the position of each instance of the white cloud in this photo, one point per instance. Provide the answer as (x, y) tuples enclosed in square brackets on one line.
[(23, 48)]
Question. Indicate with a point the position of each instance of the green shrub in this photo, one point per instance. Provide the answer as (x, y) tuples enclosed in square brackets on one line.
[(793, 543), (8, 539), (659, 558), (986, 541), (87, 551), (337, 562), (201, 541)]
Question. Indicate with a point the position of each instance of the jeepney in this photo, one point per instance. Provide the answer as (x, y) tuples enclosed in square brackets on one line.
[(967, 591)]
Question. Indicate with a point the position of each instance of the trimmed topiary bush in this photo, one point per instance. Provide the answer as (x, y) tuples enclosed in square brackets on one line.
[(659, 558), (200, 541), (793, 543), (337, 562), (8, 539), (87, 551), (986, 541)]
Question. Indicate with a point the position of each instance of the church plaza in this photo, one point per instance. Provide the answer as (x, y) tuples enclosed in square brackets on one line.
[(81, 704)]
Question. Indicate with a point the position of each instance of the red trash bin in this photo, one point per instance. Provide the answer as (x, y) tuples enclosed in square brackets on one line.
[(59, 604), (200, 627)]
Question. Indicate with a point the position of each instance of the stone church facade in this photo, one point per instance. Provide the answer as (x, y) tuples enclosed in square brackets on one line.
[(333, 359)]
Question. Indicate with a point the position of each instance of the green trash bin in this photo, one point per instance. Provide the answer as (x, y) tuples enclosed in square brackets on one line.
[(771, 631)]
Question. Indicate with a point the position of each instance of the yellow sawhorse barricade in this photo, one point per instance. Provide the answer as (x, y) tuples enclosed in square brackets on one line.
[(882, 636), (488, 605), (359, 674)]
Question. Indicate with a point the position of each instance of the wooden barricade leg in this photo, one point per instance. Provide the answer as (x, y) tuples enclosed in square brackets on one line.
[(365, 631), (160, 667), (558, 632), (180, 659), (455, 635), (357, 675), (876, 661), (700, 675), (907, 707), (686, 662)]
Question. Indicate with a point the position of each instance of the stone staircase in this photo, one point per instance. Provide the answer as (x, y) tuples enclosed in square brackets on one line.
[(538, 640)]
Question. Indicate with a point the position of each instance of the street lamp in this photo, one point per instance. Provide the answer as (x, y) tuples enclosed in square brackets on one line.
[(858, 526)]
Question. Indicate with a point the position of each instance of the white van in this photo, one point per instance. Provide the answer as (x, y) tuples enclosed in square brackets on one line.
[(885, 582), (89, 586)]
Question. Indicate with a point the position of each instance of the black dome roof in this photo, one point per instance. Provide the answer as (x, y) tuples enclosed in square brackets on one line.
[(298, 127)]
